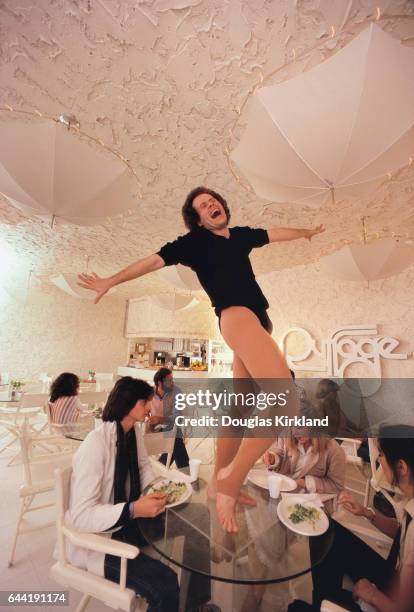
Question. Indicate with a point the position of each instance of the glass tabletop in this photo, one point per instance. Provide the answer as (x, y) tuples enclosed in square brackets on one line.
[(74, 432), (264, 551)]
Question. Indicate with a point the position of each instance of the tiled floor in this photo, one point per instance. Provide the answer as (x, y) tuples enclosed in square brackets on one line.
[(34, 551)]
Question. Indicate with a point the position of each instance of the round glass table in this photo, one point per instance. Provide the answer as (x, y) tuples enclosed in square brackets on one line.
[(263, 552)]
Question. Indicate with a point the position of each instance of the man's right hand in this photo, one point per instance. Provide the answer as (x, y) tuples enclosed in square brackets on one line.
[(150, 505), (94, 283), (268, 458)]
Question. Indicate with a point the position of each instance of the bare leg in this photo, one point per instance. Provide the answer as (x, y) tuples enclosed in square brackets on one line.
[(262, 359), (226, 448)]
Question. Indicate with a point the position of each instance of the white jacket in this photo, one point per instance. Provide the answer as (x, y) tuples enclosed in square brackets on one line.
[(91, 506)]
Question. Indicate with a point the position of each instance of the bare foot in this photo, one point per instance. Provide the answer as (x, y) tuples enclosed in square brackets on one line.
[(243, 498), (226, 506)]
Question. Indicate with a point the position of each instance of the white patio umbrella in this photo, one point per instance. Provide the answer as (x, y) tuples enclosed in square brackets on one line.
[(69, 284), (337, 129), (180, 276), (47, 170), (175, 301), (368, 262)]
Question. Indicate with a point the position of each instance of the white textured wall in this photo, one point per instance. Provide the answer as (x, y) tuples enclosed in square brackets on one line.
[(54, 332), (146, 317), (304, 297)]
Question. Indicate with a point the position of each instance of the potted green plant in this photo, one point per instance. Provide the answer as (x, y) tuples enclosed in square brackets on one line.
[(91, 375), (16, 387)]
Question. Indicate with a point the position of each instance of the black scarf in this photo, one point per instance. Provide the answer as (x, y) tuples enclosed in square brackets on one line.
[(126, 461)]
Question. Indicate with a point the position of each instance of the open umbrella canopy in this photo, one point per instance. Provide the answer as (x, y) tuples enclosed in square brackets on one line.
[(175, 301), (368, 262), (180, 276), (47, 170), (336, 130), (69, 284)]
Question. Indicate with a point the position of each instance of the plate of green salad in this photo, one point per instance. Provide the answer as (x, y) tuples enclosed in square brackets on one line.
[(303, 517), (177, 492)]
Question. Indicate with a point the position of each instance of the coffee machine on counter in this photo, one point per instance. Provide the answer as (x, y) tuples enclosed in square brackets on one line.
[(160, 358), (182, 360)]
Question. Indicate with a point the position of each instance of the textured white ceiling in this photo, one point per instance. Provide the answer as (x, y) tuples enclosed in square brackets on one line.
[(161, 81)]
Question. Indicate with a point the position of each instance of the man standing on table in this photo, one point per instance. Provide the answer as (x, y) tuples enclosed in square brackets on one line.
[(227, 277)]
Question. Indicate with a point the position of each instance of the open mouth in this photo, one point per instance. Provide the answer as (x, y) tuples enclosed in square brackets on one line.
[(216, 213)]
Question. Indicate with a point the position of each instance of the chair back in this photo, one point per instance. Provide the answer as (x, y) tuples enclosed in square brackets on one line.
[(46, 381), (41, 455), (378, 481), (63, 492), (160, 442), (62, 480), (114, 595), (104, 381)]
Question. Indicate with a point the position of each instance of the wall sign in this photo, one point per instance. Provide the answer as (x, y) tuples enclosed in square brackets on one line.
[(348, 345)]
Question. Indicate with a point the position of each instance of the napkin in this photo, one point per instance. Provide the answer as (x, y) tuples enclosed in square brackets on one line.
[(171, 474), (303, 498)]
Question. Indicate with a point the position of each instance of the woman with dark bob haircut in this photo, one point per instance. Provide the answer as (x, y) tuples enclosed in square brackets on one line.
[(64, 404), (219, 255), (385, 584), (110, 470)]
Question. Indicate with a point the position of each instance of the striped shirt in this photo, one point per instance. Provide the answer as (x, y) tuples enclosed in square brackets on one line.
[(65, 409)]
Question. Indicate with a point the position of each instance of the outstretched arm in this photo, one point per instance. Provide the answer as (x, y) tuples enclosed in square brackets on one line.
[(139, 268), (282, 234)]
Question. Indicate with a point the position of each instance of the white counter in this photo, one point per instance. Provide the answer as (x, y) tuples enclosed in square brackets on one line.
[(148, 373)]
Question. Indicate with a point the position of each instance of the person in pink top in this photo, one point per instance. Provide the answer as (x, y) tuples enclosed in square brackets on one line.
[(64, 404)]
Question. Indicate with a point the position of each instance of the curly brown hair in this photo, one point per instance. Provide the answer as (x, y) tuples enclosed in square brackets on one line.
[(190, 215), (65, 385)]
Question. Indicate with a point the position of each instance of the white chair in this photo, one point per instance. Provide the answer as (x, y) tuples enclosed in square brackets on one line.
[(69, 576), (27, 413), (38, 475), (357, 478), (378, 481), (85, 423), (104, 381), (161, 442), (46, 381)]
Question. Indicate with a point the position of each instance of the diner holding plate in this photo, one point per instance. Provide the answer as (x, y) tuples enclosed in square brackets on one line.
[(110, 469)]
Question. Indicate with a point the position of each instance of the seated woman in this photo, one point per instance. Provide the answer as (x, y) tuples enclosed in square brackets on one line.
[(317, 464), (385, 584), (110, 469), (64, 404)]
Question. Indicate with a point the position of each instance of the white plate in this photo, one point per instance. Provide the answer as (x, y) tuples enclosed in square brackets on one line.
[(303, 528), (259, 478), (185, 497)]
